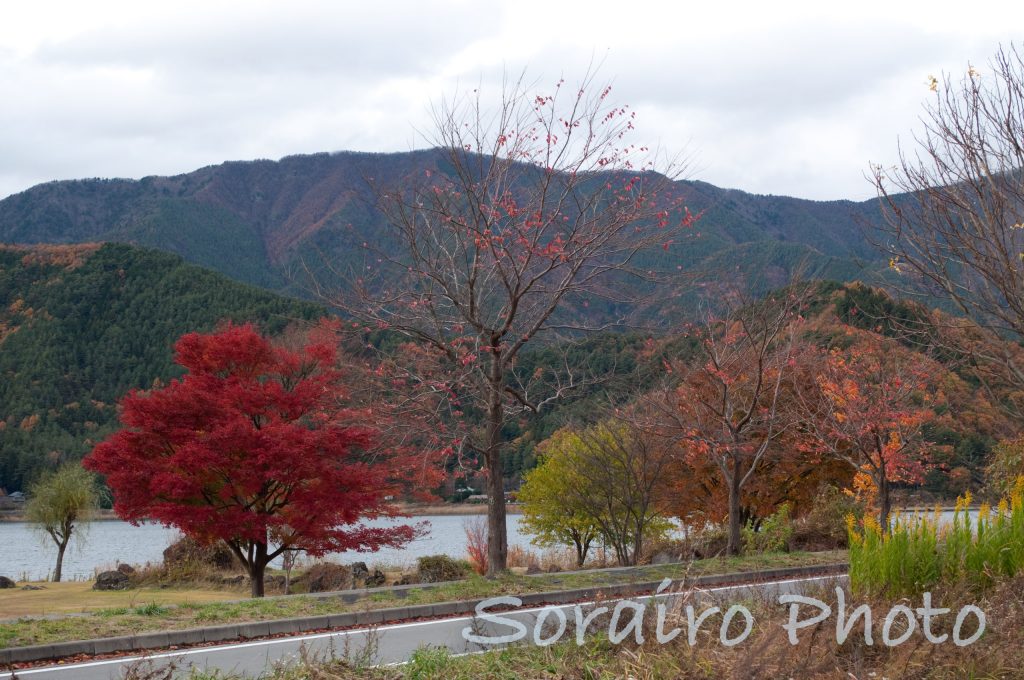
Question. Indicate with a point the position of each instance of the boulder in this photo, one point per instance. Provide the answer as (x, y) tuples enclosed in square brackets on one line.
[(111, 580), (359, 570), (438, 568), (662, 557), (126, 569), (6, 582), (533, 568), (407, 580), (186, 550), (327, 576), (375, 580), (32, 587)]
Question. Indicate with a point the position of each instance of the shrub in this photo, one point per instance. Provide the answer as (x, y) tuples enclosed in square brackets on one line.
[(662, 547), (518, 556), (824, 527), (437, 568), (707, 541), (476, 543), (773, 535), (1006, 464)]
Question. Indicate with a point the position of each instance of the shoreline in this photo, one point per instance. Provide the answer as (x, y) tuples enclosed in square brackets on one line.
[(413, 510)]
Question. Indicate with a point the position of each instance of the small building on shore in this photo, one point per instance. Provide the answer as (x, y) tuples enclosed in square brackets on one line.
[(14, 501)]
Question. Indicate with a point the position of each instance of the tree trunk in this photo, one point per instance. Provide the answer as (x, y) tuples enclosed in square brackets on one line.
[(61, 547), (582, 544), (885, 504), (257, 569), (735, 538), (497, 533)]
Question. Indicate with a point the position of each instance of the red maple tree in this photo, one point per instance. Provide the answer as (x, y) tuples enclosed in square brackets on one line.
[(254, 446)]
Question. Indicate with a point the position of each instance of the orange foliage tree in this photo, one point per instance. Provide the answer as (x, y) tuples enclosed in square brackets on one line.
[(872, 402), (728, 410)]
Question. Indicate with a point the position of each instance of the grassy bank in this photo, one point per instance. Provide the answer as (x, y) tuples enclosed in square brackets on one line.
[(146, 615), (766, 654), (417, 510)]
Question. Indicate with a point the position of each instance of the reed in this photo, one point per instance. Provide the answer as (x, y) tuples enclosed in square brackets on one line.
[(918, 552)]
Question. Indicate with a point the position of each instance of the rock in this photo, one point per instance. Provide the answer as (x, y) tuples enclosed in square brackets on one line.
[(533, 568), (662, 557), (359, 570), (232, 580), (111, 580), (6, 582), (31, 587), (186, 550), (553, 569), (274, 581), (126, 569), (327, 576), (438, 568), (407, 580), (376, 579)]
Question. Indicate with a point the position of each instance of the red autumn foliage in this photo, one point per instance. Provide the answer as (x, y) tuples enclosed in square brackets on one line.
[(253, 446), (730, 410), (874, 401)]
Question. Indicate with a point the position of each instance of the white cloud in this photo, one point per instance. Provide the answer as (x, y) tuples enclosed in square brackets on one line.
[(787, 99)]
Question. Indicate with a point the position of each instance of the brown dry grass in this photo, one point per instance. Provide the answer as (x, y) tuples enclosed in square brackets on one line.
[(78, 596), (767, 654)]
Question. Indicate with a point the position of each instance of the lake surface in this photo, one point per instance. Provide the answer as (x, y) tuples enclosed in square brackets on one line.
[(25, 554)]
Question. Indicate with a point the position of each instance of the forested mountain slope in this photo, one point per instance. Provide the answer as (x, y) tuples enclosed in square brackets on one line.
[(81, 325)]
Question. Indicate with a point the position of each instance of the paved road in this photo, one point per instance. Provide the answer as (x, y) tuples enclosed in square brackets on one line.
[(395, 643)]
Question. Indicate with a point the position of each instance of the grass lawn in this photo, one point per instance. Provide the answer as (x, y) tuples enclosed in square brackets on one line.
[(141, 611), (78, 596)]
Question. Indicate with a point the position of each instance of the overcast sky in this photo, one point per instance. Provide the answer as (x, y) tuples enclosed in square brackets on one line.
[(768, 97)]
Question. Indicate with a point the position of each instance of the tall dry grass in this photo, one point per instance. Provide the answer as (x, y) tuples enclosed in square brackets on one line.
[(918, 552)]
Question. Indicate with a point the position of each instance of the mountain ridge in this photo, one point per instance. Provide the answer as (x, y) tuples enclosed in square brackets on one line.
[(257, 221)]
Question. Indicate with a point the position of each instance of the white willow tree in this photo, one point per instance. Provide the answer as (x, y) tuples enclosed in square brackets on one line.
[(60, 503)]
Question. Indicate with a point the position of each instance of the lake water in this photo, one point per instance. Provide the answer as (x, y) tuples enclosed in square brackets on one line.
[(24, 554)]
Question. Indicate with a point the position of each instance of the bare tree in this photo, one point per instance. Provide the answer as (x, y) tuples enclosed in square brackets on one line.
[(531, 212), (954, 204)]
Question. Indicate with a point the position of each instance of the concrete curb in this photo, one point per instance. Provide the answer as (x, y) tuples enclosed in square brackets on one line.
[(261, 629)]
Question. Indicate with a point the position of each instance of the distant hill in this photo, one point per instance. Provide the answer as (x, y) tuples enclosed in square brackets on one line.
[(81, 325), (960, 435), (256, 221)]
